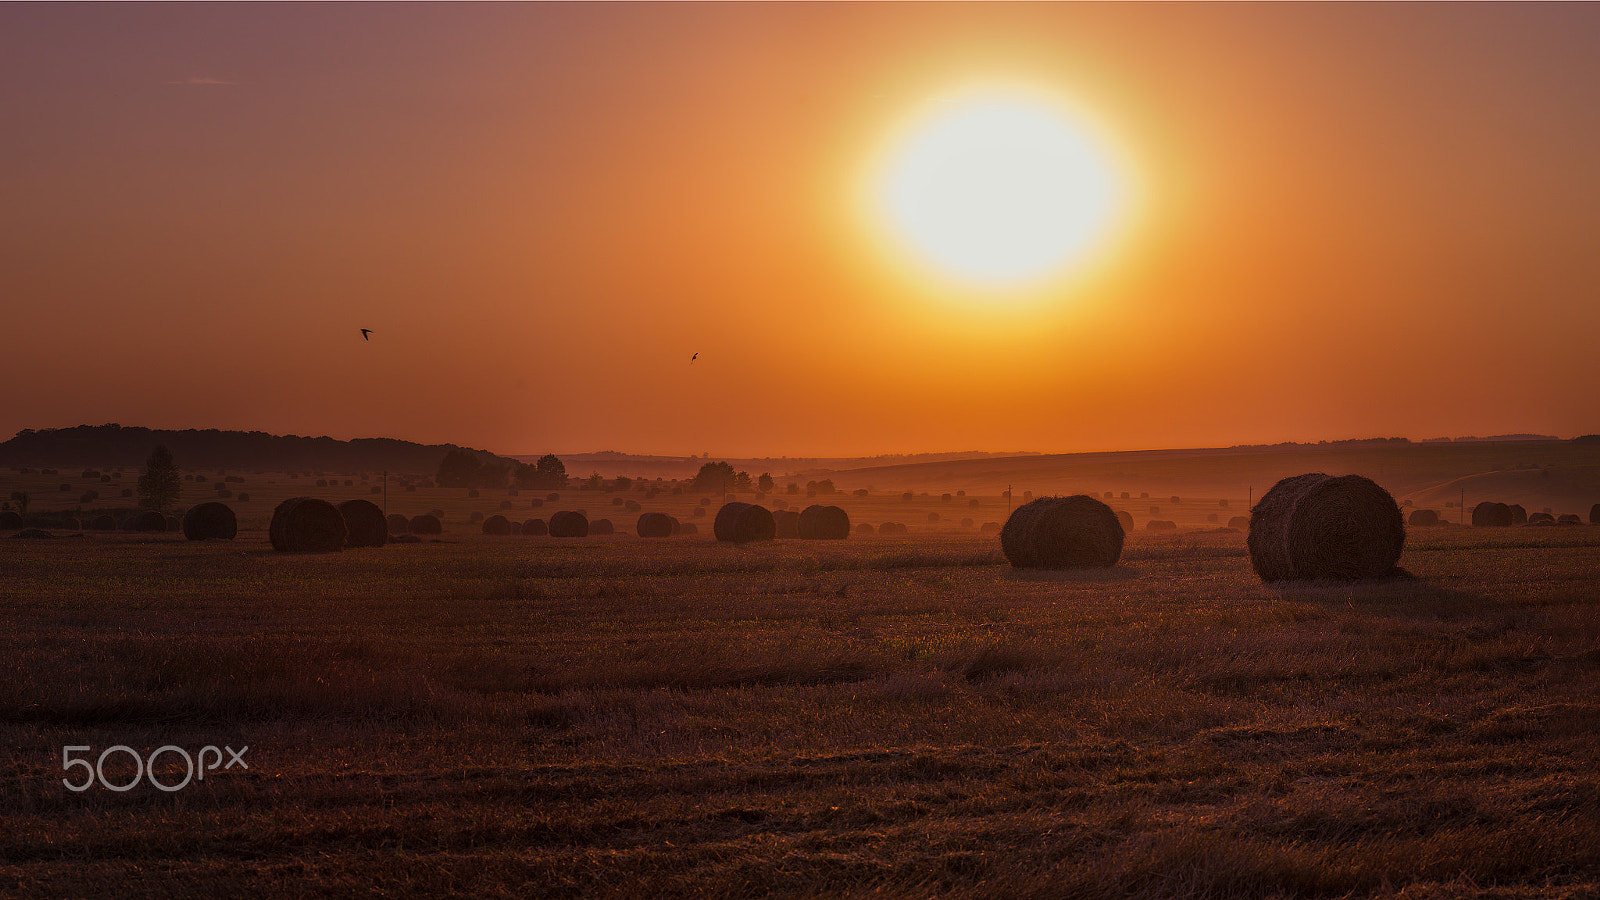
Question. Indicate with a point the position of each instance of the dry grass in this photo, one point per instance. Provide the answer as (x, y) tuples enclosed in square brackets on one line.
[(900, 717)]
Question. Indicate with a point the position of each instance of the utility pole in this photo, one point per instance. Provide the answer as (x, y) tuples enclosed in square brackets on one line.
[(386, 493)]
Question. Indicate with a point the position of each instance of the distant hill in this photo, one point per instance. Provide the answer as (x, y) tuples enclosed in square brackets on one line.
[(116, 445)]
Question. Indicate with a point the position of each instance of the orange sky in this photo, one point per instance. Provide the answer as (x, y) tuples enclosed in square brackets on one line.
[(1353, 221)]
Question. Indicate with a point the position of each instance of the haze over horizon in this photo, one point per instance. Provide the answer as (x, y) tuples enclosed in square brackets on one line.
[(1321, 222)]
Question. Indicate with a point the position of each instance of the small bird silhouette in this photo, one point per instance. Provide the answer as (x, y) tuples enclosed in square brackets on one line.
[(693, 358), (366, 334)]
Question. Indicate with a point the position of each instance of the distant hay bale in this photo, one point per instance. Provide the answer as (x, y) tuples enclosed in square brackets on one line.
[(1519, 516), (741, 523), (632, 506), (1109, 495), (427, 523), (699, 511), (602, 526), (505, 504), (689, 528), (786, 524), (1541, 518), (933, 517), (10, 518), (1155, 510), (65, 487), (1213, 517), (1175, 501), (826, 523), (907, 497), (1223, 503), (497, 524), (1077, 532), (1594, 514), (1490, 514), (1569, 519), (1422, 518), (243, 497), (475, 518), (1125, 495), (966, 523), (892, 528), (945, 498), (535, 527), (172, 523), (472, 493), (568, 523), (437, 514), (146, 520), (98, 523), (398, 524), (307, 525), (1144, 496), (989, 528), (618, 501), (973, 503), (1027, 495), (535, 503), (552, 497), (1160, 525), (1240, 522), (1126, 519), (654, 525), (205, 521), (863, 528), (1317, 526)]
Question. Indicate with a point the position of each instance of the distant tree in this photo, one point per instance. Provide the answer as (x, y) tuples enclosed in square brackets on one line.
[(742, 482), (825, 486), (161, 484), (623, 482), (793, 488), (464, 468), (765, 482), (549, 473), (714, 476), (593, 482), (21, 498)]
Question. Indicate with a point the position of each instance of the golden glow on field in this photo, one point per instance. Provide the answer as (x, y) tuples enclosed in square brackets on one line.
[(996, 190)]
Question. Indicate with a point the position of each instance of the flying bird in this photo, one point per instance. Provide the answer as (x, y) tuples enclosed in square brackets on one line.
[(693, 358), (366, 334)]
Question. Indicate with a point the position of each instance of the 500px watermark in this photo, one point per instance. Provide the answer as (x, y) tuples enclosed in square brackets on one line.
[(195, 767)]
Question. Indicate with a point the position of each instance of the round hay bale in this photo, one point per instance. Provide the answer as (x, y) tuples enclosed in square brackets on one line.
[(973, 503), (535, 503), (826, 523), (243, 497), (10, 518), (618, 501), (1568, 519), (32, 533), (699, 512), (863, 528), (1423, 518), (364, 524), (1317, 526), (427, 523), (1240, 522), (475, 518), (210, 520), (472, 493), (1077, 532), (741, 523), (945, 498), (907, 497), (146, 520), (989, 528), (173, 523), (1144, 496), (1125, 495), (1519, 516), (654, 525), (497, 524), (602, 526), (1155, 510), (307, 525), (103, 523), (1160, 525), (1213, 517), (786, 524), (1594, 514), (1489, 514), (933, 517), (689, 528), (398, 524), (552, 497), (535, 527), (1223, 503), (966, 523), (568, 523), (74, 524), (891, 528), (1126, 519), (1541, 518), (506, 504), (632, 506)]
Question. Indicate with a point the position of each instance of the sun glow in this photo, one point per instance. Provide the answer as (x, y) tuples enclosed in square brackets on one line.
[(997, 190)]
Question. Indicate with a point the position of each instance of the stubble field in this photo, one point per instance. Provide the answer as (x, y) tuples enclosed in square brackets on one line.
[(883, 716)]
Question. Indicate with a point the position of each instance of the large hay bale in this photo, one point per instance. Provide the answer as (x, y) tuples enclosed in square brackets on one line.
[(1240, 522), (1077, 532), (306, 525), (364, 524), (654, 525), (1490, 514), (1569, 519), (1318, 526), (427, 523), (1423, 518), (741, 523), (10, 518), (497, 524), (535, 527), (210, 520), (1519, 515), (602, 526), (568, 523), (1160, 525), (825, 523), (398, 524), (1125, 518), (786, 524)]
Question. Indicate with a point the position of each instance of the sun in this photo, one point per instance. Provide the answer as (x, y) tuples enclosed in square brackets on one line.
[(997, 189)]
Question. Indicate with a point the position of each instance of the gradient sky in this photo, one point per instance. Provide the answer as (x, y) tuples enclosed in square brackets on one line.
[(1349, 221)]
